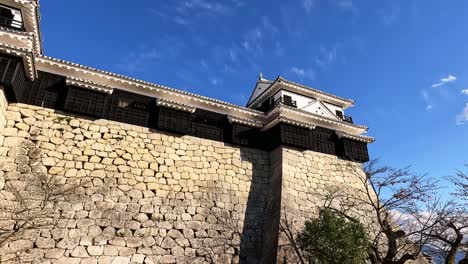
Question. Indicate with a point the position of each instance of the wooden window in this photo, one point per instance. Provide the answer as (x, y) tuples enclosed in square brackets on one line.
[(84, 101), (11, 17), (339, 113), (174, 120)]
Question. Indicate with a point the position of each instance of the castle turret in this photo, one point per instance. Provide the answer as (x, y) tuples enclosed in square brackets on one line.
[(19, 25), (20, 45), (295, 105)]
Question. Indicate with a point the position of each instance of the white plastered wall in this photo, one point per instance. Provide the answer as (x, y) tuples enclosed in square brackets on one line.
[(309, 104)]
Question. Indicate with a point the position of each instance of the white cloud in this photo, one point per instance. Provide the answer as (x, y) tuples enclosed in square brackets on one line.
[(427, 100), (326, 56), (252, 40), (388, 16), (449, 79), (345, 4), (203, 6), (348, 5), (462, 118), (298, 71), (185, 12), (279, 50), (308, 5), (214, 82), (204, 64), (136, 60), (167, 48), (180, 20), (233, 55), (238, 3), (465, 92), (303, 73), (255, 37), (268, 26)]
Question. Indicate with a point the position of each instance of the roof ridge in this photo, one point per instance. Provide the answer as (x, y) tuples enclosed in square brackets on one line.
[(150, 84), (316, 90)]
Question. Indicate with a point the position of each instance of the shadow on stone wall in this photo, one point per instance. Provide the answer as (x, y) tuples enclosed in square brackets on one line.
[(259, 239)]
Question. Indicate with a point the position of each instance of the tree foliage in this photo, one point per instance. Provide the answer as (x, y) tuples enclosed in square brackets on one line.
[(333, 238)]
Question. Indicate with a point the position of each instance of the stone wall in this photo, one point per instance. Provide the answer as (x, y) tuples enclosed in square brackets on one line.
[(310, 180), (308, 177), (141, 195), (128, 194)]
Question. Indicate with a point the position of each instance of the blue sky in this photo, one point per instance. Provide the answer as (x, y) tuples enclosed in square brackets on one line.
[(405, 62)]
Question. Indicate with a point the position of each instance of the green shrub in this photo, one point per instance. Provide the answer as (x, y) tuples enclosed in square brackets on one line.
[(334, 238)]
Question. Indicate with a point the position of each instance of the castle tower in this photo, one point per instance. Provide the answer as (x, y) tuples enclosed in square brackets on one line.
[(315, 118), (175, 169), (20, 44)]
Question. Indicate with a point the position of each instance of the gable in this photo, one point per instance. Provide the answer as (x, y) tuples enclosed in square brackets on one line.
[(258, 90), (319, 108)]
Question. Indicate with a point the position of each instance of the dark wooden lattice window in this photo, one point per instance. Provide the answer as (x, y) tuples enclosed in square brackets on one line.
[(295, 136), (48, 90), (354, 150), (206, 124), (84, 101), (130, 108), (323, 140), (319, 139), (265, 106), (13, 77), (244, 135), (174, 120), (287, 99)]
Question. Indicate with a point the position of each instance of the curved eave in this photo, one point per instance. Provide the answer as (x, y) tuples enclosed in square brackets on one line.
[(313, 119), (89, 85), (17, 39), (361, 138), (66, 68), (247, 122), (284, 119), (25, 54), (175, 105)]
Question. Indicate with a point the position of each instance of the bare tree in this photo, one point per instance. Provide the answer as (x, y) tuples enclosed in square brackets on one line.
[(404, 207), (290, 246), (460, 180), (29, 198), (451, 232), (461, 183), (401, 211)]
